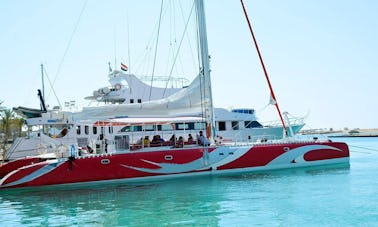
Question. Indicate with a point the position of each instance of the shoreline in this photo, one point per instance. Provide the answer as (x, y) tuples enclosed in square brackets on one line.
[(343, 133)]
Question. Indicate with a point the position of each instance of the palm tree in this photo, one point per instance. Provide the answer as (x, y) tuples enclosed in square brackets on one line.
[(6, 118), (17, 124), (1, 107)]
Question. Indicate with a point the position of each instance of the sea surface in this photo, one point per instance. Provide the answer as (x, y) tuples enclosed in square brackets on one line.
[(337, 196)]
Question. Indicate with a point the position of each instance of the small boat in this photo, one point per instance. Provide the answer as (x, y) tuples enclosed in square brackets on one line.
[(130, 157)]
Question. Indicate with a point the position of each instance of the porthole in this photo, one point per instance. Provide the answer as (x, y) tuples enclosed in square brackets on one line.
[(105, 161), (168, 157)]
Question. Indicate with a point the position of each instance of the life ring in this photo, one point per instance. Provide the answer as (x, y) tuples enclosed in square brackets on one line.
[(41, 149), (218, 140)]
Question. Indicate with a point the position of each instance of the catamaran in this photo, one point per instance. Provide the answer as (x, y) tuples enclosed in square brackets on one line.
[(131, 156)]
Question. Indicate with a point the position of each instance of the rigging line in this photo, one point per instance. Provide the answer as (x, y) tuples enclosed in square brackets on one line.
[(189, 43), (68, 46), (52, 87), (362, 152), (263, 66), (156, 47), (366, 148), (172, 35), (178, 49), (146, 54)]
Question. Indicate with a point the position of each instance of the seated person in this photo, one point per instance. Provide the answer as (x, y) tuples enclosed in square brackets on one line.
[(146, 141), (172, 140), (155, 140), (180, 142), (190, 139)]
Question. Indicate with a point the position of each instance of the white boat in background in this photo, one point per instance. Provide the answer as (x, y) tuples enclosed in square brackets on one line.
[(123, 151), (234, 125), (127, 99)]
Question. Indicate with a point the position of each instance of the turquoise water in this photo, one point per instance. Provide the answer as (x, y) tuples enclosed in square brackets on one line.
[(342, 196)]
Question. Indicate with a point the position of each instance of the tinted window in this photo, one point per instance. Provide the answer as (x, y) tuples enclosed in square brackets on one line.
[(235, 125), (221, 125)]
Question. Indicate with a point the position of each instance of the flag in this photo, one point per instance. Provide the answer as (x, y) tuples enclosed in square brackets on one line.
[(272, 101), (124, 67)]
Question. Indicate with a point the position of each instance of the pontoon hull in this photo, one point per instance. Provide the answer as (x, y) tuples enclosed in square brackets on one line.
[(175, 163)]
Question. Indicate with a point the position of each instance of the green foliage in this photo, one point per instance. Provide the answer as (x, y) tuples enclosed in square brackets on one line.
[(10, 125)]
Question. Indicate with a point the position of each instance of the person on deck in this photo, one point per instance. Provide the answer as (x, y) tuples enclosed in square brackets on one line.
[(180, 142), (146, 141), (190, 138), (172, 140), (202, 140)]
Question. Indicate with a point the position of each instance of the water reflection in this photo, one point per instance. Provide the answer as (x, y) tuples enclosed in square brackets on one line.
[(170, 202), (211, 201)]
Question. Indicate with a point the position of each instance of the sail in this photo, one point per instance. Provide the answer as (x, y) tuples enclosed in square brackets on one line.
[(186, 102)]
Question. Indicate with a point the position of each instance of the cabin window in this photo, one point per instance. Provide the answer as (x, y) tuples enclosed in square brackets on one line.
[(78, 130), (182, 126), (126, 129), (102, 130), (166, 127), (136, 128), (222, 126), (247, 124), (94, 130), (149, 128), (131, 100), (235, 125), (86, 130), (199, 126), (190, 126), (139, 100), (256, 124), (111, 130)]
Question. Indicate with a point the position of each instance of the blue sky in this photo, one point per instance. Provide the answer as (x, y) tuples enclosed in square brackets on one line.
[(321, 55)]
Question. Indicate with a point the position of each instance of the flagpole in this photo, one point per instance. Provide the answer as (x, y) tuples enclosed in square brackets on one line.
[(43, 82), (265, 72)]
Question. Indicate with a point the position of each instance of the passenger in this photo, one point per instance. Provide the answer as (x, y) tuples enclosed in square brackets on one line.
[(155, 140), (202, 140), (190, 138), (146, 141), (180, 142), (172, 140)]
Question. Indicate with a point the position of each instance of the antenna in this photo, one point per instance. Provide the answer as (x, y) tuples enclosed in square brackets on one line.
[(43, 82), (115, 48)]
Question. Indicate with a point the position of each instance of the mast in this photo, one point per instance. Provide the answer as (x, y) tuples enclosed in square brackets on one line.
[(205, 70), (273, 97)]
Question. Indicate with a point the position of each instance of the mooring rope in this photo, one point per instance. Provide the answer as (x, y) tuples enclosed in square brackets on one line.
[(366, 148)]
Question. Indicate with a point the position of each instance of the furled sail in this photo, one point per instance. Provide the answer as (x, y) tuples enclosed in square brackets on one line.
[(186, 102)]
